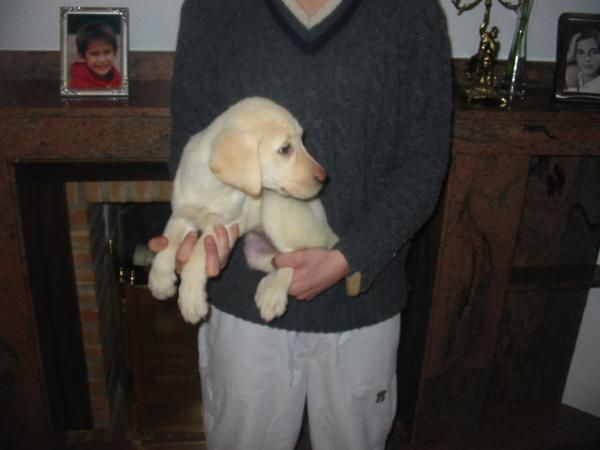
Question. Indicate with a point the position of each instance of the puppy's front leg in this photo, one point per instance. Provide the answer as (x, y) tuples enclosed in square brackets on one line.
[(272, 293), (162, 277), (192, 289)]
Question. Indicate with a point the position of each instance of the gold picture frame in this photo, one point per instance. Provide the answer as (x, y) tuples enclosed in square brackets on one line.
[(94, 51)]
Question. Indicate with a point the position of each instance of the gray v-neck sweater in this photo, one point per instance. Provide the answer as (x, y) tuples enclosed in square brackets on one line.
[(371, 86)]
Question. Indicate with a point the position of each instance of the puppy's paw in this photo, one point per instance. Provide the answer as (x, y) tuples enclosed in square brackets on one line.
[(193, 312), (270, 299), (162, 284), (192, 302)]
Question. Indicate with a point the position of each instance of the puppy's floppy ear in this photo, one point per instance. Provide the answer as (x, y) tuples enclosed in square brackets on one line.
[(234, 160)]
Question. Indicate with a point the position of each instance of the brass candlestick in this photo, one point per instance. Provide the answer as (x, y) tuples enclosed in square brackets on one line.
[(481, 73)]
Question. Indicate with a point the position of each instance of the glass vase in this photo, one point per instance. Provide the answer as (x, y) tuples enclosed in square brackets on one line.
[(515, 76)]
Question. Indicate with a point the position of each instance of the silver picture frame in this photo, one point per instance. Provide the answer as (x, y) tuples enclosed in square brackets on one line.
[(80, 74)]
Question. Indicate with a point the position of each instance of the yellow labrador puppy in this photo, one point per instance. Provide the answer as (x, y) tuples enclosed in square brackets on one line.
[(248, 166)]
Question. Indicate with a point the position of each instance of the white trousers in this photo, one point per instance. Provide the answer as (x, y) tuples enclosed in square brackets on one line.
[(256, 381)]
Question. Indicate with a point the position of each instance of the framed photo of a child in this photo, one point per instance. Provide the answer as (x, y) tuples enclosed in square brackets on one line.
[(578, 58), (94, 47)]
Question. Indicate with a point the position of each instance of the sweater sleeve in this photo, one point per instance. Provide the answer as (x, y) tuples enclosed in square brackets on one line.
[(407, 189)]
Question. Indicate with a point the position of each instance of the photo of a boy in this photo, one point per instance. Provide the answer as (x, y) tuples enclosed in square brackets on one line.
[(97, 47)]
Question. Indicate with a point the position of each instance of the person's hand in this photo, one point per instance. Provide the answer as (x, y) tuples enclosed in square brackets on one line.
[(315, 270), (572, 51), (217, 250)]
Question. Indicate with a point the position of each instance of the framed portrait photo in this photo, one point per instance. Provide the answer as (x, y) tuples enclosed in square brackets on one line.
[(94, 48), (577, 76)]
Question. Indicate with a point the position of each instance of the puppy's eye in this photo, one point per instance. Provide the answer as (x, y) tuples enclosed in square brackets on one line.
[(285, 150)]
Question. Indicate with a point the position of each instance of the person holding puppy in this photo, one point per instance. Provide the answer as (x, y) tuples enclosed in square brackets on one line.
[(357, 75)]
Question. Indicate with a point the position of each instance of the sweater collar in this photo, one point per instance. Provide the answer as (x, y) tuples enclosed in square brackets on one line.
[(311, 32)]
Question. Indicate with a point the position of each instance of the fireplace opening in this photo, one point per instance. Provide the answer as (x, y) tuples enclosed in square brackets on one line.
[(116, 361)]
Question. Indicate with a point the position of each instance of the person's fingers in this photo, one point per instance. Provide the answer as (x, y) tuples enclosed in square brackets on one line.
[(302, 288), (225, 239), (302, 295), (213, 264), (185, 250), (217, 248), (234, 233), (223, 244), (288, 259), (158, 243), (315, 270)]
